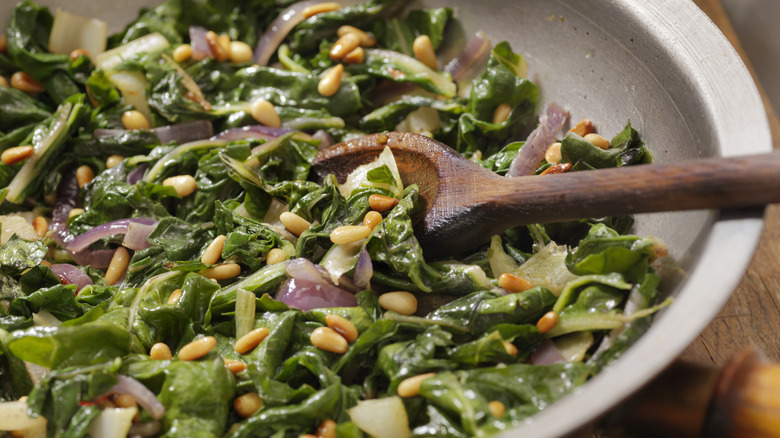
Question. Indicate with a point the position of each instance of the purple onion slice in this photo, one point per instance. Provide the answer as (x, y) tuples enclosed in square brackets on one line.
[(253, 131), (278, 30), (531, 154), (308, 295), (119, 226), (69, 274)]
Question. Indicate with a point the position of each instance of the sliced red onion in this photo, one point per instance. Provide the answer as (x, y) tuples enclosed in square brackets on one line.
[(145, 429), (253, 131), (308, 295), (98, 259), (546, 354), (142, 395), (119, 226), (200, 47), (180, 132), (304, 269), (278, 30), (136, 174), (364, 270), (531, 154), (69, 274), (471, 58), (325, 139), (137, 236)]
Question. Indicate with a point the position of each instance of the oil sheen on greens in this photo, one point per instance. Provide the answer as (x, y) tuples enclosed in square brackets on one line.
[(586, 271)]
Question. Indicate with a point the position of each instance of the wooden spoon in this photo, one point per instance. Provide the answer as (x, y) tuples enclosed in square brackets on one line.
[(464, 204)]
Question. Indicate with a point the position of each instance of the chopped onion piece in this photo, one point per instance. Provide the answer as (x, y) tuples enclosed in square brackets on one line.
[(180, 132), (278, 30), (142, 394), (303, 269), (471, 59), (136, 174), (119, 226), (98, 259), (307, 295), (137, 236), (546, 354), (364, 270), (531, 154), (69, 274), (253, 131), (70, 32), (200, 47), (325, 139)]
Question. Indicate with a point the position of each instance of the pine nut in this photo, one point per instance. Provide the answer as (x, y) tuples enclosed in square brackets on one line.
[(45, 263), (410, 386), (598, 141), (76, 54), (134, 120), (114, 161), (423, 51), (501, 113), (174, 297), (75, 212), (342, 326), (275, 256), (349, 234), (372, 219), (510, 348), (125, 401), (16, 154), (325, 338), (553, 154), (184, 185), (247, 404), (84, 175), (214, 251), (331, 81), (117, 266), (197, 348), (240, 52), (182, 53), (354, 57), (547, 322), (513, 283), (496, 408), (344, 45), (557, 168), (160, 351), (3, 43), (235, 366), (264, 112), (4, 82), (294, 223), (249, 341), (24, 82), (224, 271), (381, 203), (583, 128), (366, 40), (41, 226), (319, 8), (326, 429), (400, 302), (219, 49)]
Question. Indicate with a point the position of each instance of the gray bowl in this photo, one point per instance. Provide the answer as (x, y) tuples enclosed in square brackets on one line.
[(668, 69)]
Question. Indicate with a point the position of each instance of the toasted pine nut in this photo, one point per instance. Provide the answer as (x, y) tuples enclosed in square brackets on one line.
[(4, 82), (74, 55), (117, 266), (45, 263), (160, 351), (598, 141), (349, 234), (240, 51), (125, 401), (182, 52), (423, 51), (496, 408), (184, 185), (114, 161), (249, 341), (510, 348), (319, 8), (366, 40), (84, 175), (372, 219), (174, 297), (513, 283), (213, 252), (224, 271), (344, 45), (275, 256), (41, 226), (235, 366), (381, 203), (342, 326), (294, 223), (553, 154), (501, 113), (557, 168), (399, 302), (16, 154), (327, 429), (3, 43), (410, 386), (547, 322), (264, 112), (355, 57), (218, 49), (583, 128), (75, 212), (325, 338), (134, 120), (248, 404), (331, 80), (197, 348), (24, 82)]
